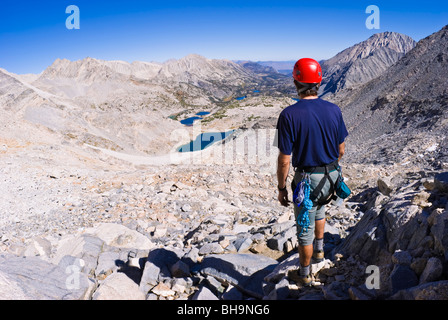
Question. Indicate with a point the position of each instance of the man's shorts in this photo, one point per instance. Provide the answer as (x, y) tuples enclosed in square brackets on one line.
[(318, 211)]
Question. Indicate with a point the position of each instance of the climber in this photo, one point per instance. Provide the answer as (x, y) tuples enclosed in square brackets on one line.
[(312, 132)]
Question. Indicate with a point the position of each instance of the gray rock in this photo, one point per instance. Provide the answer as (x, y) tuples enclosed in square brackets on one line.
[(376, 200), (119, 236), (211, 248), (180, 269), (191, 257), (402, 277), (418, 265), (400, 222), (118, 286), (242, 244), (418, 239), (107, 263), (157, 266), (186, 208), (214, 285), (441, 182), (278, 241), (280, 227), (84, 247), (204, 294), (163, 289), (38, 247), (437, 290), (332, 230), (433, 270), (282, 268), (241, 264), (401, 257), (397, 225), (243, 270), (428, 184), (367, 239), (152, 297), (385, 186), (181, 285), (281, 289), (361, 293), (232, 293), (257, 237), (336, 291), (438, 220), (35, 279)]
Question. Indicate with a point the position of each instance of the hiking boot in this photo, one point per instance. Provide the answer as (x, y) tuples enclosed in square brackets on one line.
[(305, 280), (295, 276), (318, 256)]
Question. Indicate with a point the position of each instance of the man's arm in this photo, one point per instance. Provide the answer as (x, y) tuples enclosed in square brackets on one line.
[(283, 163), (341, 150)]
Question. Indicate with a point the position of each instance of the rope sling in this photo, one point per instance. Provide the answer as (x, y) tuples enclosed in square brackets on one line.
[(301, 198)]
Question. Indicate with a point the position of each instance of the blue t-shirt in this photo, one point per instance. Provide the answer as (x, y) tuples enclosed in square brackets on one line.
[(312, 130)]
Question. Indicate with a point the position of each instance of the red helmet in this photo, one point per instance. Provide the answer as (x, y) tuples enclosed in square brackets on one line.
[(307, 70)]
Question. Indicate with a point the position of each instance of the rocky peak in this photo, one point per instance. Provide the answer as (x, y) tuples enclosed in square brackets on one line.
[(395, 41), (138, 69), (403, 105), (364, 61), (257, 67), (87, 69), (195, 66)]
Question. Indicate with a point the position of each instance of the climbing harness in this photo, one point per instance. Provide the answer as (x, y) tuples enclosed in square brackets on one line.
[(305, 199), (316, 196)]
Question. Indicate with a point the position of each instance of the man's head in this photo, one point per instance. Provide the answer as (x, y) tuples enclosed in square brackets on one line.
[(307, 76)]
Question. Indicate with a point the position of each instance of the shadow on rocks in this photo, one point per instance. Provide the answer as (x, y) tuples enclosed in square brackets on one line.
[(133, 272)]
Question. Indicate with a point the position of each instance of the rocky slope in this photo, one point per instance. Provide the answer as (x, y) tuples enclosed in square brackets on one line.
[(112, 230), (364, 61)]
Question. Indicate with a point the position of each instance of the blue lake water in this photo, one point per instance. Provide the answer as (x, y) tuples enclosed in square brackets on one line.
[(241, 98), (191, 120), (204, 140)]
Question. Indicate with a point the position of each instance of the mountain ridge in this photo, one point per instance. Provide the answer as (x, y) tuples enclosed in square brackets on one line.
[(406, 100), (364, 61)]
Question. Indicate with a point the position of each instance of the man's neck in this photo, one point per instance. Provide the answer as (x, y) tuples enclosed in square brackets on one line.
[(309, 97)]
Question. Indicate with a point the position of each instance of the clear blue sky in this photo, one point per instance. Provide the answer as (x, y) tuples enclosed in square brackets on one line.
[(33, 33)]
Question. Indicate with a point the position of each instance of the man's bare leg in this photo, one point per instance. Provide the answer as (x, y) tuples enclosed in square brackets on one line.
[(306, 252), (320, 228)]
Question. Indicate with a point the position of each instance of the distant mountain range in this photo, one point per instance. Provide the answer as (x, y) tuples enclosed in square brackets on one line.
[(351, 67), (283, 67), (196, 80)]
